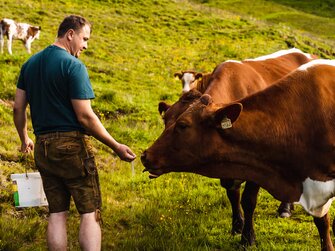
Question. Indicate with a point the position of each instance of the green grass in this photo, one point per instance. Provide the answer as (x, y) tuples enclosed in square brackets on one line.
[(134, 50)]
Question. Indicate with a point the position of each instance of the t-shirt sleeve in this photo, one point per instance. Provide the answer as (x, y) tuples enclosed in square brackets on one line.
[(80, 84), (20, 82)]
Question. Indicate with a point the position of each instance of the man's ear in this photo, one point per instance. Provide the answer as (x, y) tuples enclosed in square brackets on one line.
[(70, 34), (225, 117)]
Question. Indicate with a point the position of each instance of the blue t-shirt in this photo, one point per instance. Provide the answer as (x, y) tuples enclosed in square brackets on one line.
[(51, 78)]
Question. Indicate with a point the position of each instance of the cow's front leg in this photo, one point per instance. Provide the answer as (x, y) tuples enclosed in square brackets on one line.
[(27, 44), (2, 42), (233, 194), (9, 44), (249, 201)]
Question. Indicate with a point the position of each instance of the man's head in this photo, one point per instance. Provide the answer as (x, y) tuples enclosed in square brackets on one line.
[(74, 33)]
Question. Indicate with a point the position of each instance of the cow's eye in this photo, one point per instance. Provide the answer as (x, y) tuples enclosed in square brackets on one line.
[(181, 126)]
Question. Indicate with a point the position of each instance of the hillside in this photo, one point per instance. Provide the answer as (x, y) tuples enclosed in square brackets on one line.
[(134, 50)]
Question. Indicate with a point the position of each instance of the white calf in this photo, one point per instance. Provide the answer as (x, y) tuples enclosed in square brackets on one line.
[(22, 31)]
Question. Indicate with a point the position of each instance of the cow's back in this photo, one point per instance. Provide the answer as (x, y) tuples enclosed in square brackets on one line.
[(273, 69), (232, 80)]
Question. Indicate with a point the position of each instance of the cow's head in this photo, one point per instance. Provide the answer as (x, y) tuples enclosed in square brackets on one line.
[(192, 139), (188, 79), (34, 32)]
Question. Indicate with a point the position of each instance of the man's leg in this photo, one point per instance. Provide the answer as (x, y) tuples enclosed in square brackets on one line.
[(56, 232), (90, 232)]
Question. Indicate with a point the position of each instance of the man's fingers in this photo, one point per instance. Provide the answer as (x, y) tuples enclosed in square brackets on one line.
[(130, 157)]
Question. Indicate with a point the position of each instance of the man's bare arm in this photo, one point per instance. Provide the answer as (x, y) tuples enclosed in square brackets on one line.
[(20, 120), (92, 124)]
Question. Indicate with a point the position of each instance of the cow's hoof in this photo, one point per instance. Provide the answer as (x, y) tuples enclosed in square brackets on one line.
[(284, 210), (237, 226), (248, 240)]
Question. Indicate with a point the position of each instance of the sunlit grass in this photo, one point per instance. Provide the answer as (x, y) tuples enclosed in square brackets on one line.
[(134, 50)]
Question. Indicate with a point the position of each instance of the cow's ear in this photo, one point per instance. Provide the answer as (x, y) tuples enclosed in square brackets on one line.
[(226, 116), (178, 74), (163, 107), (198, 75)]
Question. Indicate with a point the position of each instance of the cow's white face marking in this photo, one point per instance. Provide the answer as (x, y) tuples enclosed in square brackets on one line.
[(317, 196), (187, 79), (279, 54), (304, 67)]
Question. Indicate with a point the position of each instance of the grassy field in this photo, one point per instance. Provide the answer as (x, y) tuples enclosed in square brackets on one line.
[(134, 50)]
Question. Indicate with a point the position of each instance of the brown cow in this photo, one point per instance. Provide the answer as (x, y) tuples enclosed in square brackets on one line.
[(230, 81), (191, 79), (284, 141)]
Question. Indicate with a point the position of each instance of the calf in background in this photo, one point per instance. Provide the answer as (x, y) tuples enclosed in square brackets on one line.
[(22, 31)]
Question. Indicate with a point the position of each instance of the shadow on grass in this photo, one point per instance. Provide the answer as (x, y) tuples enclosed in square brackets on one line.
[(322, 8)]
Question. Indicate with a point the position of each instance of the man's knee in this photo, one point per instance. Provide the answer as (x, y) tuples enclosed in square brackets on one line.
[(93, 216)]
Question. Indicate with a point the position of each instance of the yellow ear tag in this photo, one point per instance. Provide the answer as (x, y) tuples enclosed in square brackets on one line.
[(226, 123)]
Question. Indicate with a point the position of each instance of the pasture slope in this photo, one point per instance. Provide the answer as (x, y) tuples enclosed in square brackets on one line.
[(135, 48)]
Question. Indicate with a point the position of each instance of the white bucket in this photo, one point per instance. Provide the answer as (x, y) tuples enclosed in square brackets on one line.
[(29, 192)]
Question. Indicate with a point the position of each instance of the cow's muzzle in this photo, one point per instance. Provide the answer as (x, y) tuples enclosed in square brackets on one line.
[(148, 166)]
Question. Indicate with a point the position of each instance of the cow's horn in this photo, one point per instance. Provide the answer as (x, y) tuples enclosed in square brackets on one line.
[(206, 99)]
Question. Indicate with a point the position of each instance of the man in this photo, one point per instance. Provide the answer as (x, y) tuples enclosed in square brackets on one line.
[(56, 86)]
